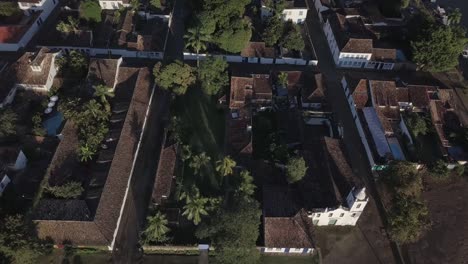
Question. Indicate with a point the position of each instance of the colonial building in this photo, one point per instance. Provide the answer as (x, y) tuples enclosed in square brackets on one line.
[(294, 10), (18, 30), (113, 4)]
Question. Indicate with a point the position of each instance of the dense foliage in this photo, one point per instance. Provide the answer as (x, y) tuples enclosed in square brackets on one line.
[(9, 9), (8, 120), (233, 231), (213, 75), (156, 229), (292, 38), (436, 47), (90, 11), (68, 26), (417, 124), (408, 216), (295, 169), (176, 77)]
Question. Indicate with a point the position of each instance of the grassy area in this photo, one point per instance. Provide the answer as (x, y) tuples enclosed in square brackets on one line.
[(328, 236), (205, 123)]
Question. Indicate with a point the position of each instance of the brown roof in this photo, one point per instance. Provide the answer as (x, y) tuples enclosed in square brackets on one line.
[(358, 46), (103, 71), (24, 73), (361, 94), (289, 232), (247, 89), (418, 95), (68, 210), (262, 86), (258, 49), (386, 116), (403, 95), (114, 190), (165, 173), (126, 28), (315, 91), (384, 93), (79, 232), (383, 54)]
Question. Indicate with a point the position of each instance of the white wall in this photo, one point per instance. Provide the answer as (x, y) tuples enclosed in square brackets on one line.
[(9, 98), (332, 44), (3, 184), (296, 15), (342, 215), (110, 5), (21, 161)]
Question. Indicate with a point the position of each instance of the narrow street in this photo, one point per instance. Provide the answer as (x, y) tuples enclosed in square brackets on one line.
[(127, 248), (340, 106)]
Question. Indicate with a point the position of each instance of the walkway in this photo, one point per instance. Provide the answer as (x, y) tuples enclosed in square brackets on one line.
[(339, 103)]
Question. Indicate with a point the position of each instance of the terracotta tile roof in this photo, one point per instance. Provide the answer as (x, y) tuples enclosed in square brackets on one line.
[(241, 88), (383, 54), (24, 73), (103, 71), (403, 95), (358, 46), (12, 33), (361, 94), (144, 42), (79, 232), (126, 28), (66, 210), (258, 49), (165, 173), (262, 86), (386, 116), (112, 195), (419, 95), (289, 232), (295, 81), (384, 93), (316, 91)]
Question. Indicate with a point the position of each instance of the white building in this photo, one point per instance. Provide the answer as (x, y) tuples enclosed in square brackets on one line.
[(36, 70), (113, 5), (295, 11), (352, 45), (17, 35), (12, 160)]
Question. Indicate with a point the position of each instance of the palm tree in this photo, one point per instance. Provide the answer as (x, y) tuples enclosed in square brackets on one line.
[(86, 152), (454, 18), (197, 39), (70, 26), (225, 166), (156, 228), (195, 208), (103, 92), (198, 161), (246, 187), (94, 108), (283, 79), (186, 153), (134, 5)]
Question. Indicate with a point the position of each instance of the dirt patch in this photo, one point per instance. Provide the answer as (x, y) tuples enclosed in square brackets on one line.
[(447, 240)]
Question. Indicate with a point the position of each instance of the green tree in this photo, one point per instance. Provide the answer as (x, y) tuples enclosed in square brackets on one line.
[(175, 77), (295, 169), (90, 11), (273, 32), (86, 152), (225, 166), (156, 229), (407, 220), (8, 120), (235, 39), (417, 124), (9, 9), (71, 25), (195, 208), (403, 179), (155, 4), (437, 47), (103, 92), (38, 129), (405, 3), (186, 153), (439, 169), (283, 79), (213, 75), (233, 231), (78, 63), (199, 161), (454, 18), (134, 5), (70, 190), (197, 39), (292, 39), (247, 187)]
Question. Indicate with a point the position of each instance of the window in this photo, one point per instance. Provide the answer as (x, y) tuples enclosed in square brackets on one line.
[(353, 215), (301, 13), (330, 214), (342, 214), (318, 215), (315, 222), (358, 206), (299, 21)]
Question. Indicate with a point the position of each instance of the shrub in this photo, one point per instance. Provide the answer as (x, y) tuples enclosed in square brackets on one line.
[(439, 169), (9, 9), (295, 169), (70, 190)]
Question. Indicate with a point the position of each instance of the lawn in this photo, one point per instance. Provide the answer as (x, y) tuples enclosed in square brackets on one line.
[(205, 123)]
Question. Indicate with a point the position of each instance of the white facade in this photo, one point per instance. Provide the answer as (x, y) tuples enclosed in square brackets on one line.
[(3, 184), (351, 59), (288, 250), (45, 7), (50, 78), (112, 5), (296, 15), (343, 216), (20, 162)]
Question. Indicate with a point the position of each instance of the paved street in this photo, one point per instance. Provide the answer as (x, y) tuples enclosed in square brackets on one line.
[(340, 106), (126, 248)]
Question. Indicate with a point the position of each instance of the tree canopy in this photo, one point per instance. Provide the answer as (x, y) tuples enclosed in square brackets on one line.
[(70, 25), (156, 228), (407, 220), (292, 39), (273, 31), (90, 11), (8, 120), (213, 75), (403, 178), (176, 77), (437, 47), (233, 231), (225, 166), (295, 169), (9, 9), (417, 124)]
